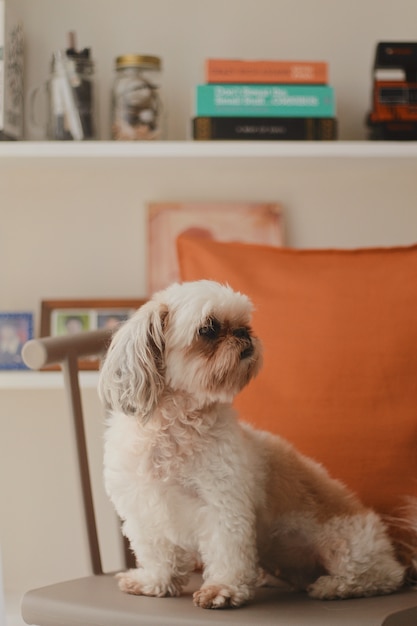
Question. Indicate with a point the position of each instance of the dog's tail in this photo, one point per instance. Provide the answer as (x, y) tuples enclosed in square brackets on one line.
[(403, 531)]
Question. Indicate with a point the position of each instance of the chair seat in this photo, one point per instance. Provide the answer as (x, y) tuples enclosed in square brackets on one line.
[(97, 601)]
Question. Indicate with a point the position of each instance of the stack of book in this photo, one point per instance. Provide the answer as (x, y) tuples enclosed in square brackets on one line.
[(264, 100)]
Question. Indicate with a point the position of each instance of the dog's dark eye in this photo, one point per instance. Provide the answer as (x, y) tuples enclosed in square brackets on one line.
[(211, 330), (242, 333)]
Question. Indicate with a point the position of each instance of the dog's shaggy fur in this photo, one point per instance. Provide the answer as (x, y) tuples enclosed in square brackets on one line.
[(191, 483)]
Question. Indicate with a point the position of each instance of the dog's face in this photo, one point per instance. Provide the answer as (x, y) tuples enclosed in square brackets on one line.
[(194, 338)]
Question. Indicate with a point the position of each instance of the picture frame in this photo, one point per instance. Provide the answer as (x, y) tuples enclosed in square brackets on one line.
[(63, 317), (15, 329), (250, 222)]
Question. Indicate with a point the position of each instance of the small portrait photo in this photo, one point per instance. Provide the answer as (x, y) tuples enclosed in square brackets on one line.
[(112, 319), (70, 322), (15, 330)]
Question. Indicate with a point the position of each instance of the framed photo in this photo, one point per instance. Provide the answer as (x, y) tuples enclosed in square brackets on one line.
[(15, 330), (66, 317), (250, 222)]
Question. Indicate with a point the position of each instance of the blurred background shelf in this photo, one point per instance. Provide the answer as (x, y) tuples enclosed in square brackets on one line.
[(20, 380)]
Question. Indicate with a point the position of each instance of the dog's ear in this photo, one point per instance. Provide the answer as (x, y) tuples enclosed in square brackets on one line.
[(132, 375)]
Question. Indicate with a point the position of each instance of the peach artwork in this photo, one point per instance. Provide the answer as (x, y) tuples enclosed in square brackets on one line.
[(249, 222)]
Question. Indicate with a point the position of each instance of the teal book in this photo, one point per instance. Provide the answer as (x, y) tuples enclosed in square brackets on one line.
[(265, 100)]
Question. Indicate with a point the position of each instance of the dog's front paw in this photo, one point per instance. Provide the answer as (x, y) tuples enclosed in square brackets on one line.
[(211, 596), (139, 583)]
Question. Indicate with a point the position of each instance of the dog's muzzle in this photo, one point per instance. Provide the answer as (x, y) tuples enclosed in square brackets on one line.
[(247, 348)]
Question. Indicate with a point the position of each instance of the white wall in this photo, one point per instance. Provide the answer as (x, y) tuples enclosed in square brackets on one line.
[(41, 522), (79, 230)]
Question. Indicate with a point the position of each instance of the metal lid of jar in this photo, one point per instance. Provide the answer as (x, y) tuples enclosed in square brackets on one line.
[(138, 60)]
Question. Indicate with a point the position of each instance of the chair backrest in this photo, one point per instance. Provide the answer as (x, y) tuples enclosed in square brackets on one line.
[(66, 351)]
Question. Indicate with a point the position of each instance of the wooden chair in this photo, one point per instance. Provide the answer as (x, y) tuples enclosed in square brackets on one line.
[(95, 600)]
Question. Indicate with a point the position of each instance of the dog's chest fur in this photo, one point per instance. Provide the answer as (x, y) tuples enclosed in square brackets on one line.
[(178, 437), (181, 462)]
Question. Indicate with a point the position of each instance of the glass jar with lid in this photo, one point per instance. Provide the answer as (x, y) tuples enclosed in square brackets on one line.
[(136, 99)]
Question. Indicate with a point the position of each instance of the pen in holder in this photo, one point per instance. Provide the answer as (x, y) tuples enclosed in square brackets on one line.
[(70, 97)]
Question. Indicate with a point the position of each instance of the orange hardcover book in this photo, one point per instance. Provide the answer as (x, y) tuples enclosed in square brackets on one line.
[(262, 71)]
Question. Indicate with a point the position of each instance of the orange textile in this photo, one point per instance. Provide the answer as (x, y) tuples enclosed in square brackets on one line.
[(339, 330)]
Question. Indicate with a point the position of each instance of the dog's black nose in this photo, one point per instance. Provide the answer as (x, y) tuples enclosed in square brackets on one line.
[(247, 352)]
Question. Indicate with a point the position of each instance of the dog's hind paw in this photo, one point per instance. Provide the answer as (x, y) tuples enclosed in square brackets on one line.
[(338, 587), (212, 596), (329, 588), (371, 583)]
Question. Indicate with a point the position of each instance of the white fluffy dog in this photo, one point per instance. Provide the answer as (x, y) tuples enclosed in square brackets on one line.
[(191, 482)]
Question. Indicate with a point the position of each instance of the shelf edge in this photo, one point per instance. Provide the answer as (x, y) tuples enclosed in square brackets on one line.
[(207, 149)]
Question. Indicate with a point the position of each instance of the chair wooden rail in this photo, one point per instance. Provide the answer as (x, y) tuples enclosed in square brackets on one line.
[(66, 350), (38, 353)]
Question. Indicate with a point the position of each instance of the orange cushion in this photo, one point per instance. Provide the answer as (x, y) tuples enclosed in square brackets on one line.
[(339, 329)]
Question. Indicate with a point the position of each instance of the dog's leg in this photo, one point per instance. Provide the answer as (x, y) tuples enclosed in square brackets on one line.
[(163, 569), (359, 558), (227, 545), (229, 579)]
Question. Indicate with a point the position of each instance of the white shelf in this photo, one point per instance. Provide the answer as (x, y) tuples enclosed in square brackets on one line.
[(10, 380), (208, 149)]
